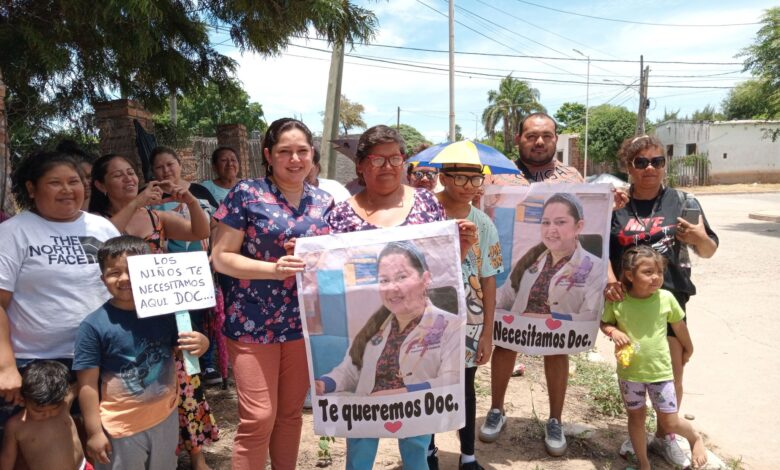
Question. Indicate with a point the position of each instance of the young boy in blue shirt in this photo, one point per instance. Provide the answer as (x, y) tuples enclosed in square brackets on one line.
[(131, 421)]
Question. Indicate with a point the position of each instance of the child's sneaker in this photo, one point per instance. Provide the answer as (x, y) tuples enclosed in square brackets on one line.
[(554, 440), (627, 448), (670, 450), (212, 377), (474, 465)]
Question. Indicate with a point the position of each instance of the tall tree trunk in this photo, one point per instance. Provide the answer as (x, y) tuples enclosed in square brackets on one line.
[(6, 204), (507, 136)]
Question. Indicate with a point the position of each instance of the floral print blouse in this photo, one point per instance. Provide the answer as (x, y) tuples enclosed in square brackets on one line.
[(425, 208), (266, 311)]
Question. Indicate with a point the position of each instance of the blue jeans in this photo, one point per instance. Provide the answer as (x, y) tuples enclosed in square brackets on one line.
[(361, 452)]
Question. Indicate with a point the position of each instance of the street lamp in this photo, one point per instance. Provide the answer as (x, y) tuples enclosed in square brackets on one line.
[(587, 111), (476, 120)]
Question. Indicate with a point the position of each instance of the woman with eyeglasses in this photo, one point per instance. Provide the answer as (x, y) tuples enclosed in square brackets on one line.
[(385, 202), (669, 221)]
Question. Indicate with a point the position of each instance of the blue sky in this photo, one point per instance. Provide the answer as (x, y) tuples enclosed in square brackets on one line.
[(294, 83)]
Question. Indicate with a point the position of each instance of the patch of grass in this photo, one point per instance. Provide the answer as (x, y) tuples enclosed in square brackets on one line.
[(324, 457), (735, 464), (599, 380), (481, 390), (651, 423)]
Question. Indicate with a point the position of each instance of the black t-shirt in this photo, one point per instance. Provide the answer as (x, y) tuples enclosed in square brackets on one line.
[(656, 227), (203, 194)]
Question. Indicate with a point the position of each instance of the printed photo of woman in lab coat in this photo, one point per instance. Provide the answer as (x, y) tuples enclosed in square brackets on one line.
[(557, 278), (408, 344)]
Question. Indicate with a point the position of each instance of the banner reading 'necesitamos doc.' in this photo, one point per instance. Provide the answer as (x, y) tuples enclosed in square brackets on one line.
[(555, 245)]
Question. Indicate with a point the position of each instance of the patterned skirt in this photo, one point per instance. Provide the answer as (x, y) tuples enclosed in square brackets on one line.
[(197, 426)]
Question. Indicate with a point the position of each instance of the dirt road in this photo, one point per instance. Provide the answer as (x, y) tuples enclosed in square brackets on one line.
[(733, 379)]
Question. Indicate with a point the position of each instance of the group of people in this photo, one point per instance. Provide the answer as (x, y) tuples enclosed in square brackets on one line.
[(64, 287)]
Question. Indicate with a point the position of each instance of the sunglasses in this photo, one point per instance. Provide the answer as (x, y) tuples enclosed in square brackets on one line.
[(640, 163), (378, 161), (460, 180), (430, 175)]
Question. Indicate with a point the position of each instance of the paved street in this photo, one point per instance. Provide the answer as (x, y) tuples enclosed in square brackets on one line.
[(733, 379)]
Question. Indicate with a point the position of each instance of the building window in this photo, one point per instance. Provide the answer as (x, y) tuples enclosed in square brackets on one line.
[(670, 151), (690, 149), (559, 155), (725, 155)]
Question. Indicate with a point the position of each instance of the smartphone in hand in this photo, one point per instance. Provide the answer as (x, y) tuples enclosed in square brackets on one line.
[(691, 215)]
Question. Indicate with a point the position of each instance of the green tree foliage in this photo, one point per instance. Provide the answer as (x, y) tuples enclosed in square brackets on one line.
[(458, 134), (762, 58), (61, 56), (608, 126), (708, 113), (412, 137), (670, 115), (570, 117), (351, 115), (748, 100), (508, 105), (199, 112)]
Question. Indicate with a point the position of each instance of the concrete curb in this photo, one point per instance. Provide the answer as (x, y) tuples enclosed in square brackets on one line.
[(766, 216)]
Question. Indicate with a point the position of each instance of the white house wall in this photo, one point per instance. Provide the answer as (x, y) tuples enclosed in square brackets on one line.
[(743, 152)]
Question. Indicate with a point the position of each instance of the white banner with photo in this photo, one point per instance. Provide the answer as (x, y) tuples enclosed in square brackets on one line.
[(384, 320), (555, 246)]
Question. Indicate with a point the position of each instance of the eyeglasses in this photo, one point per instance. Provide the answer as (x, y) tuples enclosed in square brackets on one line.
[(378, 161), (431, 175), (460, 180), (640, 163)]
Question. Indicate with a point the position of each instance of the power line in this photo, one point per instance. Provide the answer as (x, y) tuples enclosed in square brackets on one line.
[(481, 74), (524, 56), (615, 20), (488, 37)]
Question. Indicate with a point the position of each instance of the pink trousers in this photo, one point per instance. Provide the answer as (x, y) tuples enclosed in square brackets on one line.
[(271, 383)]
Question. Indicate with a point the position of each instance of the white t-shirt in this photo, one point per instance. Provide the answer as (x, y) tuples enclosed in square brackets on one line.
[(334, 188), (52, 271)]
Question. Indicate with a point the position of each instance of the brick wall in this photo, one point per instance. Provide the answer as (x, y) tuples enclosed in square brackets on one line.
[(115, 121), (234, 135)]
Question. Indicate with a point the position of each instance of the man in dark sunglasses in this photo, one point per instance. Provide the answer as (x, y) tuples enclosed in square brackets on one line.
[(422, 177)]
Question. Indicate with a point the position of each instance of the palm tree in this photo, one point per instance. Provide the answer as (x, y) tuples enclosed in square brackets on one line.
[(514, 100)]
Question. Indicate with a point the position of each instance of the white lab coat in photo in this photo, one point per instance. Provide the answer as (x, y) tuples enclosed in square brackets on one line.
[(439, 365), (574, 290)]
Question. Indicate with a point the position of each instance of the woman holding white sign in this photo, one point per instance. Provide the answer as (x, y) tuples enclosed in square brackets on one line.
[(408, 344), (557, 278), (385, 202), (257, 219)]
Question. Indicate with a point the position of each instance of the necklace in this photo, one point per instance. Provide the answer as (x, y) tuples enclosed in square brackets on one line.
[(656, 206)]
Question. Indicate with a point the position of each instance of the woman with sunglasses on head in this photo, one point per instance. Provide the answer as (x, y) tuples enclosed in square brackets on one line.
[(385, 202), (669, 221)]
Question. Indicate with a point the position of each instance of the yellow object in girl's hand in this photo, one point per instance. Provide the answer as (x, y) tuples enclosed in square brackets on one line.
[(625, 354)]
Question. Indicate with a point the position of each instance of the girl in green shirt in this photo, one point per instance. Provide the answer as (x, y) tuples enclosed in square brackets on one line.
[(639, 322)]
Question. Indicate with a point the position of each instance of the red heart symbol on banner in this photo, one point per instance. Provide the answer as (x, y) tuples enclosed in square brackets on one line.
[(508, 319), (552, 324), (393, 426)]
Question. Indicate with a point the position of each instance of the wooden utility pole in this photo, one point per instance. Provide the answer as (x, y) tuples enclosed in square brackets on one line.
[(452, 71), (330, 128), (641, 115), (398, 119)]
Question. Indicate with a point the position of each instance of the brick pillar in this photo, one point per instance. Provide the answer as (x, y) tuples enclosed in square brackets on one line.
[(234, 135), (115, 121), (6, 201), (189, 164), (575, 159)]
